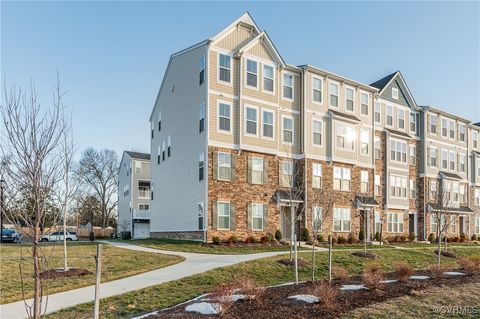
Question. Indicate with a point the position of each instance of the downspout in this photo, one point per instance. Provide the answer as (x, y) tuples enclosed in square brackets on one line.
[(424, 175), (207, 118), (240, 107), (302, 142)]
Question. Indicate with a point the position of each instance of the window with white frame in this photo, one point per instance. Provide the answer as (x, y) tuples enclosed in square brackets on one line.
[(364, 141), (413, 155), (349, 99), (268, 78), (341, 219), (159, 120), (401, 119), (251, 121), (444, 159), (461, 163), (364, 182), (317, 175), (477, 225), (475, 139), (138, 167), (452, 160), (345, 137), (143, 206), (252, 72), (287, 136), (286, 173), (317, 85), (452, 129), (395, 93), (201, 165), (395, 222), (413, 189), (169, 145), (201, 118), (163, 150), (377, 147), (257, 170), (477, 197), (455, 191), (317, 132), (413, 122), (398, 151), (453, 224), (317, 218), (433, 157), (389, 115), (377, 185), (433, 124), (201, 74), (159, 155), (463, 193), (288, 86), (224, 166), (398, 186), (257, 216), (267, 124), (444, 127), (433, 189), (461, 132), (223, 215), (434, 222), (341, 178), (378, 112), (333, 93), (364, 103), (224, 66), (224, 115)]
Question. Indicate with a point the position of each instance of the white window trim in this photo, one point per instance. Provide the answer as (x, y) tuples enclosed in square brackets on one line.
[(354, 98), (293, 130), (396, 93), (293, 86), (343, 149), (218, 215), (252, 223), (321, 132), (251, 87), (218, 68), (246, 119), (400, 110), (454, 130), (407, 188), (273, 124), (274, 78), (321, 87), (338, 93), (400, 221), (229, 166), (454, 161), (368, 104), (441, 127), (386, 115), (341, 221), (218, 117), (436, 124), (252, 170), (375, 111)]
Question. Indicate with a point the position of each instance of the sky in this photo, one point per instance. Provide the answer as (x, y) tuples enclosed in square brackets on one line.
[(111, 56)]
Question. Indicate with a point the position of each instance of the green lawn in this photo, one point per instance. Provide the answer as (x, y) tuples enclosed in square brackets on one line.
[(265, 271), (117, 263)]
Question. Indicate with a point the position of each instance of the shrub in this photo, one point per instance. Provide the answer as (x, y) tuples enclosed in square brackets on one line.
[(471, 264), (341, 240), (411, 237), (252, 239), (438, 270), (339, 272), (263, 240), (373, 274), (402, 238), (351, 239), (403, 270), (431, 238), (474, 237), (306, 235), (270, 237), (278, 235), (232, 240), (320, 237), (216, 240), (361, 235), (326, 293), (377, 236), (463, 237)]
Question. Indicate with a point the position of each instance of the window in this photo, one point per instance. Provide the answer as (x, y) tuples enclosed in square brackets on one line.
[(364, 182), (317, 175), (433, 190), (364, 139), (223, 212), (224, 166), (413, 122), (395, 93), (317, 132), (378, 112), (224, 117), (257, 170), (477, 225), (267, 124), (377, 221), (475, 139), (349, 99), (163, 150), (463, 193), (143, 206), (477, 196), (251, 121), (452, 160), (433, 157), (377, 185), (317, 218), (433, 124), (268, 78), (224, 68), (200, 216), (345, 138), (287, 130), (257, 216), (341, 219), (461, 132), (389, 115), (159, 121), (201, 164), (455, 191), (444, 159), (395, 222), (341, 178), (159, 154), (413, 189), (201, 75), (377, 147), (333, 90), (288, 86), (398, 186), (452, 129), (413, 155), (401, 119), (152, 126), (286, 173), (317, 85), (201, 118), (398, 151), (364, 103), (138, 167), (252, 73), (169, 145), (125, 190), (444, 128), (461, 163), (434, 222)]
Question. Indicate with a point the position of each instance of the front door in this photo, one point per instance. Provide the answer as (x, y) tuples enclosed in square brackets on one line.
[(412, 223), (286, 222)]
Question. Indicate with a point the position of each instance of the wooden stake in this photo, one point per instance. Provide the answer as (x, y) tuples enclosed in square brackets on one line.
[(98, 261)]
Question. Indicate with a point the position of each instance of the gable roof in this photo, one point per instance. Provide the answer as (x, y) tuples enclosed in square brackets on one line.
[(385, 81), (245, 18), (138, 155), (269, 46)]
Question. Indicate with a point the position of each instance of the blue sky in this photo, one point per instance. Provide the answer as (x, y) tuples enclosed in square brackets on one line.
[(111, 55)]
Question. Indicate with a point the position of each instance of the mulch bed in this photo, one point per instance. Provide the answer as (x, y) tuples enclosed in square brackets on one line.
[(59, 273), (243, 244), (274, 302), (288, 262), (364, 254)]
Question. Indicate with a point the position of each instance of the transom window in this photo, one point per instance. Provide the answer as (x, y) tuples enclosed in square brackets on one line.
[(252, 73), (341, 178), (287, 130), (224, 116), (268, 124), (224, 166), (288, 86), (395, 222), (224, 68), (341, 219), (349, 99), (364, 103), (317, 85), (251, 120), (317, 175), (317, 132), (268, 78), (333, 90), (223, 214)]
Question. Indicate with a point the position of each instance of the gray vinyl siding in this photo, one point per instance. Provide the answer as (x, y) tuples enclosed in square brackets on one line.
[(402, 93), (124, 214), (177, 190)]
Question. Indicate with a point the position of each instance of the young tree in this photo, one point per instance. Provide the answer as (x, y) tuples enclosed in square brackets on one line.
[(32, 147), (98, 171)]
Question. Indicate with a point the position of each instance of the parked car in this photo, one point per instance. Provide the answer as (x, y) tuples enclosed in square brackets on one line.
[(58, 236), (11, 236)]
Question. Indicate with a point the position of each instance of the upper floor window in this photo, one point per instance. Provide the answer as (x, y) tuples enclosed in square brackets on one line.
[(444, 127), (163, 150), (159, 155), (364, 103), (401, 119), (378, 112), (444, 159), (286, 173), (251, 121), (452, 129), (395, 93), (138, 167), (377, 147), (345, 138), (252, 71), (224, 68), (433, 190), (224, 166), (389, 115), (474, 139), (224, 116), (169, 145), (152, 126), (364, 182), (377, 185), (160, 120), (413, 122), (433, 124), (201, 164), (317, 85), (452, 161), (398, 151), (413, 155), (317, 132), (256, 170), (341, 178), (463, 193), (287, 136), (201, 75), (461, 132), (267, 124), (433, 157), (201, 118), (461, 163), (398, 186), (268, 78), (413, 189), (333, 91), (288, 86), (364, 141), (349, 99), (317, 175), (477, 196)]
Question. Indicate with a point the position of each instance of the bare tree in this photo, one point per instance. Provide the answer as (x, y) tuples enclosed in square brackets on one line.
[(98, 170), (32, 148)]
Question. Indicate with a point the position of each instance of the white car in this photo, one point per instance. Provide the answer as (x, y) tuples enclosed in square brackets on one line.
[(58, 236)]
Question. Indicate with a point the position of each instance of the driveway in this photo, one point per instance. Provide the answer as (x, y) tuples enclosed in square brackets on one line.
[(194, 263)]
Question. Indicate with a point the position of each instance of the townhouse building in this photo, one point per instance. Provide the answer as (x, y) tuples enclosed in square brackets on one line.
[(134, 194), (247, 144)]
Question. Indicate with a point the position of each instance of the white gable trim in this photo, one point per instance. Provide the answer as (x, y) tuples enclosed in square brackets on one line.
[(270, 47), (245, 18)]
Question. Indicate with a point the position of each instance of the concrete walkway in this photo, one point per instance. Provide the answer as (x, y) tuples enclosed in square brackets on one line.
[(194, 263)]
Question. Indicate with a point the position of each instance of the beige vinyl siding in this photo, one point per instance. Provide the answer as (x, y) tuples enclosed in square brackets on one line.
[(311, 149), (213, 133), (214, 84), (259, 140), (295, 104), (236, 39), (449, 147), (259, 50)]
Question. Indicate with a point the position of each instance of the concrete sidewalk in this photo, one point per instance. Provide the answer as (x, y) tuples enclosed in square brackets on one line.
[(194, 263)]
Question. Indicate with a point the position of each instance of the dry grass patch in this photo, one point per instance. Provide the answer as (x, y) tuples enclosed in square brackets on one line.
[(403, 270), (326, 293), (339, 272), (470, 264), (438, 270), (373, 275)]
